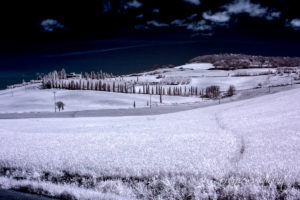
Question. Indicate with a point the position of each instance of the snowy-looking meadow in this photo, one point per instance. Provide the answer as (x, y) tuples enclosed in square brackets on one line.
[(109, 143), (241, 150), (33, 99)]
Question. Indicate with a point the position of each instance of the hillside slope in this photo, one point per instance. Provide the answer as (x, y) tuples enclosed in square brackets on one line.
[(246, 149), (242, 61)]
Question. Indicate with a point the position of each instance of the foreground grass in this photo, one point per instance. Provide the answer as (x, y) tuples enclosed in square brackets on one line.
[(66, 185)]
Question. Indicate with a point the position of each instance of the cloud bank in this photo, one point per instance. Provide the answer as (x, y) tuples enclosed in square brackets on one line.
[(199, 26), (295, 24), (219, 17), (245, 6), (207, 21), (134, 4)]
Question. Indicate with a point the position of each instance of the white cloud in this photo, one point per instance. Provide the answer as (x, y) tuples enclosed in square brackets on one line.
[(295, 24), (194, 2), (219, 17), (133, 4), (199, 26), (245, 6), (157, 24), (49, 25), (273, 15)]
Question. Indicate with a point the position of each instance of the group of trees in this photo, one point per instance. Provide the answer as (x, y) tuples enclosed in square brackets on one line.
[(54, 75), (90, 81), (120, 87), (97, 75), (213, 92), (63, 75), (89, 84), (240, 61), (288, 70), (177, 80)]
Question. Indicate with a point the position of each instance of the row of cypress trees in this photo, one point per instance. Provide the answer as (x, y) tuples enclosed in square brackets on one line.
[(98, 81), (121, 87)]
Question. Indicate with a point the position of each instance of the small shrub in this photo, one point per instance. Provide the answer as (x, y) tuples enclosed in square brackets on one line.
[(231, 91)]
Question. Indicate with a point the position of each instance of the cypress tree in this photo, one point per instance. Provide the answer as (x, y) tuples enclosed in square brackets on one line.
[(100, 85), (108, 87), (88, 85), (133, 89), (92, 85)]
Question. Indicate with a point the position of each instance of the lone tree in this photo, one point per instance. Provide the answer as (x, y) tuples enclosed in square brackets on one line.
[(60, 105), (231, 91)]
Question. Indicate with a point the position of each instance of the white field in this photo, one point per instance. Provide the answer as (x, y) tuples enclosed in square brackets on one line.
[(202, 77), (240, 150), (33, 99)]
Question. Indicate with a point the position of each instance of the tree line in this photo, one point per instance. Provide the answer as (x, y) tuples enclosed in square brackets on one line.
[(100, 82)]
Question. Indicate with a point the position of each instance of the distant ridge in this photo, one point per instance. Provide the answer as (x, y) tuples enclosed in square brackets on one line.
[(242, 61)]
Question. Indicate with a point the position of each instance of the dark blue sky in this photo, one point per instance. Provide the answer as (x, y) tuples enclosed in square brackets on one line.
[(53, 20), (125, 36)]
